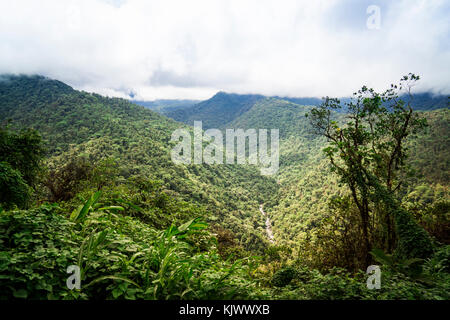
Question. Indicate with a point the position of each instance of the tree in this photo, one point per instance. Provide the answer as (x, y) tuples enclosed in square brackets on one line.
[(368, 151), (14, 189), (64, 182), (20, 157)]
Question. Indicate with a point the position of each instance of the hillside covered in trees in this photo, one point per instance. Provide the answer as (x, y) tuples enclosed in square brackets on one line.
[(88, 180), (223, 108)]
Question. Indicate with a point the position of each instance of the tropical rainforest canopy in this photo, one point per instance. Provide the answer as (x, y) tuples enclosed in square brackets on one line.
[(87, 180)]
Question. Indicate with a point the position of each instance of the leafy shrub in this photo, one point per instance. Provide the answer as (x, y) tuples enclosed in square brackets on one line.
[(36, 247), (283, 277), (440, 261), (20, 157), (14, 189), (64, 182), (413, 240)]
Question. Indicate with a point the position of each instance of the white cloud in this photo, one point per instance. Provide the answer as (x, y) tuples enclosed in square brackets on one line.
[(190, 49)]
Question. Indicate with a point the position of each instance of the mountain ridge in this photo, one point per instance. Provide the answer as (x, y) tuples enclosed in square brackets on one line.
[(79, 124)]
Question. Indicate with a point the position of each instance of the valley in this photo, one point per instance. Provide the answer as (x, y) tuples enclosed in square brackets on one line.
[(106, 196)]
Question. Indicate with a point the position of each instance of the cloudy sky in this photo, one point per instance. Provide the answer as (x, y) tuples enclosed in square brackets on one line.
[(192, 49)]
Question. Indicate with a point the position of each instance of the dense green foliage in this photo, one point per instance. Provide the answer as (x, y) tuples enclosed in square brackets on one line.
[(79, 125), (20, 157), (367, 151), (120, 257), (223, 108), (109, 199), (15, 190), (123, 258), (217, 111)]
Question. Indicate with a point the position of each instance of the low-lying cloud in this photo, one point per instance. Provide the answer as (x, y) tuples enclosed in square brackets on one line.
[(191, 49)]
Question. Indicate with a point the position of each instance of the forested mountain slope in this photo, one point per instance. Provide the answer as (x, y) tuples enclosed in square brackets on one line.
[(78, 124), (217, 111), (306, 184), (224, 108)]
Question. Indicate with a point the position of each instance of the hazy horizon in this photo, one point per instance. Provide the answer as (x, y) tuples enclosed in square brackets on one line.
[(192, 50)]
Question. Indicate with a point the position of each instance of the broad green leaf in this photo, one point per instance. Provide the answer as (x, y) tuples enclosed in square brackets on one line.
[(185, 226), (112, 208), (76, 213), (21, 293), (112, 278)]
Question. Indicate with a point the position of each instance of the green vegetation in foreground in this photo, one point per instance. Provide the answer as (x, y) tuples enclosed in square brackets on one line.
[(122, 257)]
